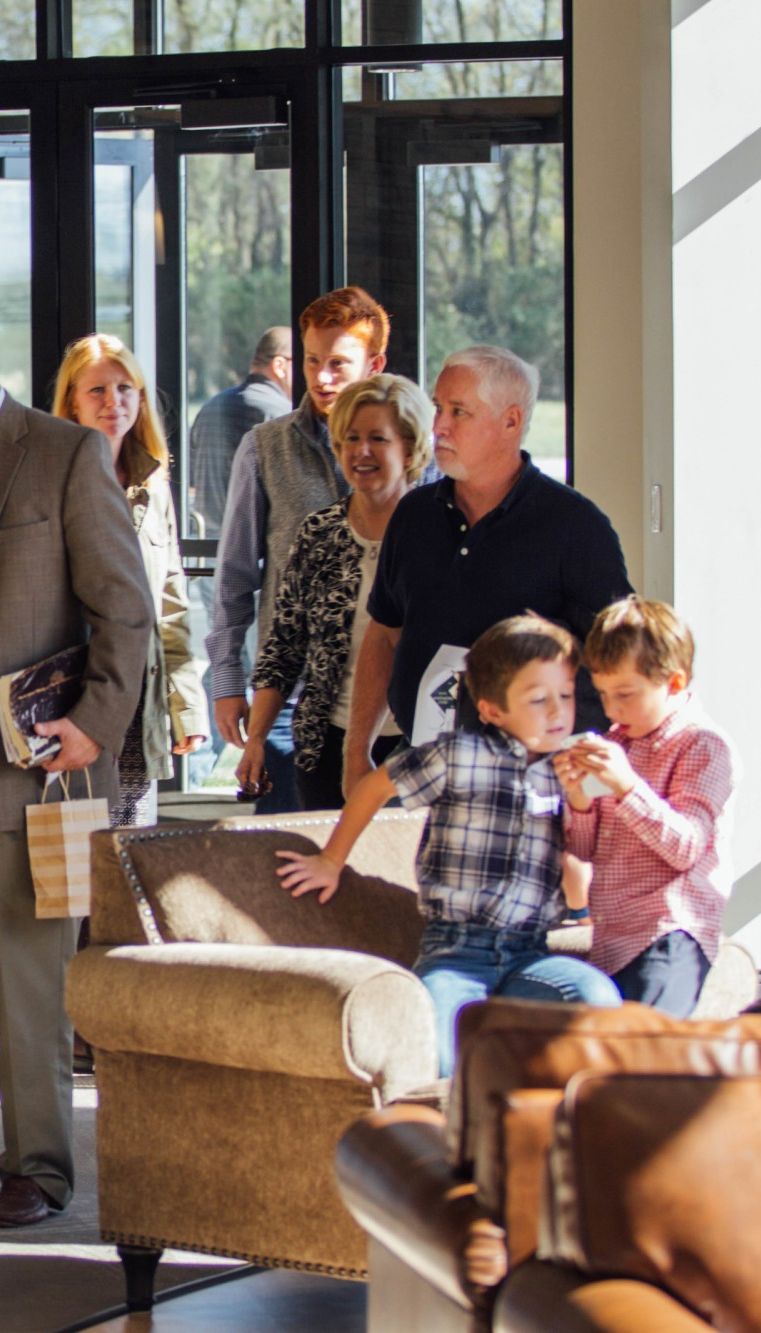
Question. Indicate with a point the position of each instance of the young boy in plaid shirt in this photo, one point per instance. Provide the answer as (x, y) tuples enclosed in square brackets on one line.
[(489, 860), (659, 843)]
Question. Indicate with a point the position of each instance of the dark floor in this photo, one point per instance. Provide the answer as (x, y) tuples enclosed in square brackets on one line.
[(276, 1302)]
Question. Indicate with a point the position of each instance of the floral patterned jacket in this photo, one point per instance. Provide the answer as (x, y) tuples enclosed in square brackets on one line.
[(311, 628)]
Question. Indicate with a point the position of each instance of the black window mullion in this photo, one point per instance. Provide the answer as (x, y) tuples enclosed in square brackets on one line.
[(76, 199), (317, 260), (45, 294), (170, 297), (54, 29), (568, 268), (148, 27)]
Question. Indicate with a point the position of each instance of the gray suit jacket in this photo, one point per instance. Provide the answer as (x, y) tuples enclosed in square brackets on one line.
[(70, 569)]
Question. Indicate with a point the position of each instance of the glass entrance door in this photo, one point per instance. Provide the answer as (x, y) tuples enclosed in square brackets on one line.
[(192, 264)]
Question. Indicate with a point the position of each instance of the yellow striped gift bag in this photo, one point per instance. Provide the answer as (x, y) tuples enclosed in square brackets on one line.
[(58, 838)]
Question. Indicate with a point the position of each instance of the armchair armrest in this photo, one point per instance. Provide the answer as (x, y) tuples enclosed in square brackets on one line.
[(313, 1013), (395, 1178), (512, 1151)]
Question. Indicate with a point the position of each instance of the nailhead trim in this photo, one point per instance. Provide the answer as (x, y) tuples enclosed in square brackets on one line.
[(261, 1260), (145, 911)]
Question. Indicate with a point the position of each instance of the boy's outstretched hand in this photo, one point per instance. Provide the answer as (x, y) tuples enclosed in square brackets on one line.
[(303, 874)]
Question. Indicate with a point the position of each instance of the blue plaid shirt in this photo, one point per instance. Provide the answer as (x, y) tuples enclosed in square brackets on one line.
[(491, 848)]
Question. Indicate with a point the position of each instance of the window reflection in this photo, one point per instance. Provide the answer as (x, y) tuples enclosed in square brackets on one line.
[(507, 78), (17, 30), (102, 28), (232, 25), (15, 256), (113, 248), (387, 22)]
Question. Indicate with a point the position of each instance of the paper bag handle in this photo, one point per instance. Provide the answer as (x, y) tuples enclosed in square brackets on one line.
[(64, 781)]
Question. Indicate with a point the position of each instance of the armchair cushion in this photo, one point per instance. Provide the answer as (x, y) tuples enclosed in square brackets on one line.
[(217, 884), (657, 1177)]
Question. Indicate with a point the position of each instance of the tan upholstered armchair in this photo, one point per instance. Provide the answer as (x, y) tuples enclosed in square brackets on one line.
[(618, 1150), (238, 1032)]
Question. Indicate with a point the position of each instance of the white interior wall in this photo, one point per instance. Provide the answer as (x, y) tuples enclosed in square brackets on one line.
[(668, 334), (716, 47)]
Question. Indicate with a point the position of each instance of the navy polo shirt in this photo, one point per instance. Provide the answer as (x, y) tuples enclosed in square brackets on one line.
[(545, 548)]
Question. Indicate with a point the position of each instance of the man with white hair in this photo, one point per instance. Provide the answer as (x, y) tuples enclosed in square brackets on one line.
[(493, 538)]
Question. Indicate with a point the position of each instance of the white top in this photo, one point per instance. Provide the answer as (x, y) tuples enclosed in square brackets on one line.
[(341, 712)]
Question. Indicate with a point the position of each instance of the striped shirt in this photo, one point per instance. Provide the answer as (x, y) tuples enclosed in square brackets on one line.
[(491, 847), (661, 854)]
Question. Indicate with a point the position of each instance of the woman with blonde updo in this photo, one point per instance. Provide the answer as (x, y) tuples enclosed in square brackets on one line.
[(381, 434)]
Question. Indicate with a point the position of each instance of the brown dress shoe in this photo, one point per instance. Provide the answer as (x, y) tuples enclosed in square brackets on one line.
[(22, 1202)]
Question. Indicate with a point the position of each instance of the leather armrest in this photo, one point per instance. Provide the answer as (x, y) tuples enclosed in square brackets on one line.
[(395, 1179), (511, 1164), (542, 1296)]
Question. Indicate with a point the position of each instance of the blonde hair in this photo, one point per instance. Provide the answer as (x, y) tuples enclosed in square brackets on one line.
[(411, 412), (651, 632), (88, 351)]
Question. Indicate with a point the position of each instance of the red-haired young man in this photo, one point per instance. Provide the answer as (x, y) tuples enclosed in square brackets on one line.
[(282, 471)]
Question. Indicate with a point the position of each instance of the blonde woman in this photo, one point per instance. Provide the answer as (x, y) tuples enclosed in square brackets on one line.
[(381, 434), (101, 385)]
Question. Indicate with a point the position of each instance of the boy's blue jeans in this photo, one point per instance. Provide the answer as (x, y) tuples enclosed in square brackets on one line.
[(460, 962)]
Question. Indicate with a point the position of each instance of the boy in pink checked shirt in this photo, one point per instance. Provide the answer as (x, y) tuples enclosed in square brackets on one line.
[(659, 843)]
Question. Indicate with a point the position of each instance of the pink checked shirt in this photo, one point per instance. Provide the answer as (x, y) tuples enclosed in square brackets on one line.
[(661, 854)]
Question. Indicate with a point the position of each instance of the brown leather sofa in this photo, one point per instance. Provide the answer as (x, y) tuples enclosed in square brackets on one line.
[(237, 1033), (614, 1156)]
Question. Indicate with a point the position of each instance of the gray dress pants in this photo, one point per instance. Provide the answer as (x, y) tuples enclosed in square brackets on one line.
[(35, 1034)]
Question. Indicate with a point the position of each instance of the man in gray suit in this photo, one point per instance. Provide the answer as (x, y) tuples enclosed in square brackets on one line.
[(70, 572)]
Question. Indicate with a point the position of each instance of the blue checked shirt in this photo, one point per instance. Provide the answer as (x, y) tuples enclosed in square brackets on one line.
[(490, 853)]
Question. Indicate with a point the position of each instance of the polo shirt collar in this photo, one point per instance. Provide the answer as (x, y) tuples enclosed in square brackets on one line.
[(445, 488)]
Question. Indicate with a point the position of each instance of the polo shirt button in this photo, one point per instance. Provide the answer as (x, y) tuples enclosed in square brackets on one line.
[(463, 527), (463, 550)]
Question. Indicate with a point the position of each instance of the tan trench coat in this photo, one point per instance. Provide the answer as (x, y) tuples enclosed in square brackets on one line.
[(173, 689)]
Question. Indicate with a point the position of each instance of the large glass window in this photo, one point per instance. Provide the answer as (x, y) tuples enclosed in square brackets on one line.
[(207, 143), (127, 230), (15, 256), (493, 272), (455, 220), (238, 270), (202, 213)]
